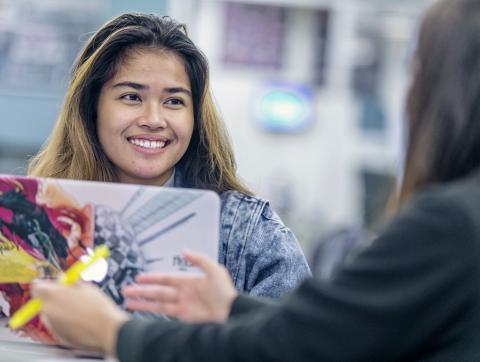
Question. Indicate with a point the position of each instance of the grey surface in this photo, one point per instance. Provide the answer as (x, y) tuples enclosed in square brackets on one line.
[(14, 348)]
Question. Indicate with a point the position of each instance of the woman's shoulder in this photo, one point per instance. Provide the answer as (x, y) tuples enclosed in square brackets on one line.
[(234, 195), (463, 193), (447, 208), (236, 200)]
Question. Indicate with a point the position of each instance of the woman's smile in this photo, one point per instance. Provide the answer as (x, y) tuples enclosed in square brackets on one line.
[(149, 145)]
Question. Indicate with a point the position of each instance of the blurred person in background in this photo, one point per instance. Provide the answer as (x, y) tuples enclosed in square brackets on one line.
[(413, 294), (139, 110)]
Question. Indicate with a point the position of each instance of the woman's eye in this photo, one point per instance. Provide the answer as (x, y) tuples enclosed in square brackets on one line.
[(175, 102), (131, 97)]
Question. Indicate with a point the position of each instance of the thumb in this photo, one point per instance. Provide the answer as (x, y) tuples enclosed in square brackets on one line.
[(202, 261)]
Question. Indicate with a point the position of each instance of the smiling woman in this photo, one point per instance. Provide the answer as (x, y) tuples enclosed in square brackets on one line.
[(145, 116), (139, 110)]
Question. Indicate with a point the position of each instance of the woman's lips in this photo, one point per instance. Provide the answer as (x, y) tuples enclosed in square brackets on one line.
[(148, 145)]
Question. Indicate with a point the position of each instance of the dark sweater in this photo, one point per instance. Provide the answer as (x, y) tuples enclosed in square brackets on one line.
[(413, 295)]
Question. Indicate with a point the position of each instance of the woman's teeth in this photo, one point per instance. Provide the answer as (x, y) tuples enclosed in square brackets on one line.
[(147, 144)]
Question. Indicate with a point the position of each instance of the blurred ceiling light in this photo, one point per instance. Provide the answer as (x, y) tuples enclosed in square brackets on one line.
[(284, 108)]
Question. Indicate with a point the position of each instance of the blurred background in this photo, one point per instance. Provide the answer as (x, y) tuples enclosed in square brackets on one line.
[(311, 91)]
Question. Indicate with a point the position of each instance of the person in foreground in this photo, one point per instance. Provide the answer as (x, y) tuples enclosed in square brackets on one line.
[(414, 294), (139, 110)]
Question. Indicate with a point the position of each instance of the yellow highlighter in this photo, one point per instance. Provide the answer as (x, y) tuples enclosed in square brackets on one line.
[(30, 309)]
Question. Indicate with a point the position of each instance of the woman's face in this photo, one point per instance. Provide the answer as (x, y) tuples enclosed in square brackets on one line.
[(145, 116)]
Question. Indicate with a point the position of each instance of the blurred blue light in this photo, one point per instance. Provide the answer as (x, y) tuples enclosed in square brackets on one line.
[(285, 108)]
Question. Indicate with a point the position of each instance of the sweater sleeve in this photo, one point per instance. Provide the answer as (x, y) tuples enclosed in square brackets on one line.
[(245, 304), (387, 304)]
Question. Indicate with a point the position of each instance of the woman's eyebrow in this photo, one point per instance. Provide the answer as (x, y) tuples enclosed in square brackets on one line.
[(178, 90), (137, 86)]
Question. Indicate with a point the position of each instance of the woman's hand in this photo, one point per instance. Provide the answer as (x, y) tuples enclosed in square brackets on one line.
[(80, 315), (191, 298)]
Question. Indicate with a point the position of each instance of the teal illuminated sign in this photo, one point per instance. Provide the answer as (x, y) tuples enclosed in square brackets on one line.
[(285, 108)]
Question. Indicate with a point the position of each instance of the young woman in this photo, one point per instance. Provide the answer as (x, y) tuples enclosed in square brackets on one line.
[(412, 295), (139, 110)]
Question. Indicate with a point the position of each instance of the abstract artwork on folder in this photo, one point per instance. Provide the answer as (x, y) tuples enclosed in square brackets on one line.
[(48, 224)]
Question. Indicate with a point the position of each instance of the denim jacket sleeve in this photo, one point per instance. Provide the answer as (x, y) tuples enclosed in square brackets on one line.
[(260, 252)]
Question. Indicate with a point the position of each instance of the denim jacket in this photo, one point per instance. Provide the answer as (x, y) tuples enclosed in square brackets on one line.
[(261, 254)]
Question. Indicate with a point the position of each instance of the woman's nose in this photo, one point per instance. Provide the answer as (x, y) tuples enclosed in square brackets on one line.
[(153, 117)]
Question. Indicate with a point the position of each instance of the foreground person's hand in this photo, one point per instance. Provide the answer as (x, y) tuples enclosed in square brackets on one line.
[(80, 315), (191, 298)]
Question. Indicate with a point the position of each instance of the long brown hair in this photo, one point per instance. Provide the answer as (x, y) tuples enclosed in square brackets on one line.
[(73, 150), (443, 104)]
